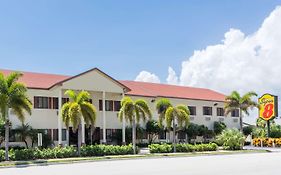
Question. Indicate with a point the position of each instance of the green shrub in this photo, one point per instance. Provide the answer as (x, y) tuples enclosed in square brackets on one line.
[(2, 155), (247, 130), (231, 139), (103, 150), (219, 127), (167, 148), (160, 148)]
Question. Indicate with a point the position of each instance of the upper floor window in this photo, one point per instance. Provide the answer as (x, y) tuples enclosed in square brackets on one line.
[(235, 113), (117, 105), (41, 102), (192, 110), (207, 110), (110, 105), (64, 100), (220, 112)]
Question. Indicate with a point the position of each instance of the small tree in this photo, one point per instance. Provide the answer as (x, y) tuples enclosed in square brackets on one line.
[(13, 97), (24, 131), (173, 116), (75, 110), (219, 127), (242, 103), (133, 111), (152, 129)]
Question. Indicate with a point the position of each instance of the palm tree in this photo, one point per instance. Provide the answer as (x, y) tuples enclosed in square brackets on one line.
[(24, 131), (75, 110), (13, 97), (133, 111), (235, 101), (172, 114)]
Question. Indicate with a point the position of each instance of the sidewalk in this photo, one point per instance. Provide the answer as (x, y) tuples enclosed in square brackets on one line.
[(262, 148)]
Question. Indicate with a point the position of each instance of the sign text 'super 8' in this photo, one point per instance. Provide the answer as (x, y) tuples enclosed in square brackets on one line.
[(268, 107)]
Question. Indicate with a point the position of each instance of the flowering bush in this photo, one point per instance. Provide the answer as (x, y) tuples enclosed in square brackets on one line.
[(267, 142)]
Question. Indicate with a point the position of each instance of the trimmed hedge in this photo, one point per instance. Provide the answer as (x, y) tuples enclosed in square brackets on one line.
[(66, 152), (104, 150), (168, 148)]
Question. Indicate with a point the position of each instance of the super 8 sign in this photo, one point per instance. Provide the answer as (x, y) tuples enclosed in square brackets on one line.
[(268, 107)]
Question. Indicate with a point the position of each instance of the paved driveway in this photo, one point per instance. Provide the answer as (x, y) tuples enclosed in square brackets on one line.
[(242, 164)]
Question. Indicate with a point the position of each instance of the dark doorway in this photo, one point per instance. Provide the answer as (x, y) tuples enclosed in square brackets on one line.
[(91, 136), (73, 137)]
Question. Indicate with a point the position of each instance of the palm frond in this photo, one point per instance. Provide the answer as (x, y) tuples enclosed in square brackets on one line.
[(71, 94)]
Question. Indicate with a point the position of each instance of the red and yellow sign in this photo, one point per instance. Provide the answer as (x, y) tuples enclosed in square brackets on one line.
[(268, 107)]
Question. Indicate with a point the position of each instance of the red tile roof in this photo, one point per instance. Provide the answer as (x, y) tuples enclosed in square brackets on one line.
[(45, 81), (38, 80), (171, 91)]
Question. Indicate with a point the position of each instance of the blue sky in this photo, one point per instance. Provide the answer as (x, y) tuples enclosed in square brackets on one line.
[(120, 37)]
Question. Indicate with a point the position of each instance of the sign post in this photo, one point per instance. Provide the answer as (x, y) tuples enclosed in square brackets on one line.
[(268, 109)]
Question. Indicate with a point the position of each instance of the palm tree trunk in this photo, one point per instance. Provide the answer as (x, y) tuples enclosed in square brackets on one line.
[(26, 145), (7, 129), (241, 120), (174, 135), (79, 139), (134, 134)]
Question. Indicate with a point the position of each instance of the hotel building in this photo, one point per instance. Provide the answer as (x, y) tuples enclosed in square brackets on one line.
[(46, 91)]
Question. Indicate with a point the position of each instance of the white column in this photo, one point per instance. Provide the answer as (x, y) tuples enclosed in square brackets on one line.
[(83, 130), (59, 118), (123, 127), (103, 118), (67, 136)]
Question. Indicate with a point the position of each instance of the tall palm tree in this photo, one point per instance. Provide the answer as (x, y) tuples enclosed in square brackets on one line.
[(242, 103), (172, 114), (133, 111), (13, 97), (75, 110)]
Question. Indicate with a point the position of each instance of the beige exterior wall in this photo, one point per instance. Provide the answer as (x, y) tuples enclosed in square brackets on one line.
[(97, 83)]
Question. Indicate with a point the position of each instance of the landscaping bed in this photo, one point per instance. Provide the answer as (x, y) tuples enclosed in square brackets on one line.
[(183, 148), (66, 152)]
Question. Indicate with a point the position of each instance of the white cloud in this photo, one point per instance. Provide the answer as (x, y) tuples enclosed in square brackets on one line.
[(172, 77), (240, 62), (147, 77)]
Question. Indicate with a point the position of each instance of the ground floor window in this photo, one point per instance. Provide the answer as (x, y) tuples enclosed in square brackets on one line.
[(56, 135), (162, 135), (181, 135)]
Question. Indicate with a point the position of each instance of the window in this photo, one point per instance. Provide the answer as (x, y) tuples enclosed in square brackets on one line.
[(109, 135), (63, 135), (181, 135), (64, 100), (55, 134), (207, 110), (220, 112), (162, 135), (55, 103), (108, 105), (41, 102), (192, 110), (235, 113), (100, 105), (117, 105)]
